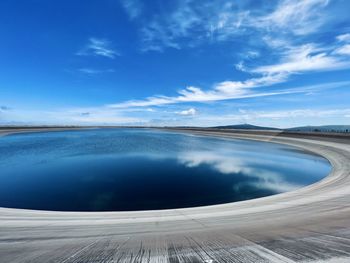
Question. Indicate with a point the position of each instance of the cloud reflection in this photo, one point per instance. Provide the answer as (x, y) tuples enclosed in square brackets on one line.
[(230, 165)]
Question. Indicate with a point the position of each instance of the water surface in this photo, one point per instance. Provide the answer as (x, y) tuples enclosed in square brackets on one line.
[(141, 169)]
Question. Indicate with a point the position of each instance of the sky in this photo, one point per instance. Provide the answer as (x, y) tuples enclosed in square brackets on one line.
[(274, 63)]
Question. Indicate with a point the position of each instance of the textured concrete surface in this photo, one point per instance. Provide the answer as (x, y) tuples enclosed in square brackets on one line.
[(311, 224)]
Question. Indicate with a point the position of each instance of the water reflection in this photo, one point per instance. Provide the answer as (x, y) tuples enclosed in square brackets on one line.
[(126, 169), (231, 165)]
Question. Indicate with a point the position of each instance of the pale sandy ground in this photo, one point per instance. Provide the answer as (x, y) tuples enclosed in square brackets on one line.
[(311, 224)]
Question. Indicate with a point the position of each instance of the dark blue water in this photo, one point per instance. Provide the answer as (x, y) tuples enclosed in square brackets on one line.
[(130, 169)]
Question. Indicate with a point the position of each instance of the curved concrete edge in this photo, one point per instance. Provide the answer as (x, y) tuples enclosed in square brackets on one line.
[(338, 155)]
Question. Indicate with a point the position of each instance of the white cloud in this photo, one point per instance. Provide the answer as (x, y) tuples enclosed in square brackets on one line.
[(191, 23), (132, 7), (283, 32), (343, 50), (293, 60), (298, 17), (189, 112), (221, 91), (175, 28), (98, 47), (303, 58), (252, 54), (344, 37), (240, 66)]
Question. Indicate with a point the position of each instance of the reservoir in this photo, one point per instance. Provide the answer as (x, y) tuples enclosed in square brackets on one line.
[(145, 169)]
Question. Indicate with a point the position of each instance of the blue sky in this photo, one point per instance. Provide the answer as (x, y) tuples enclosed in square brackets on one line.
[(131, 62)]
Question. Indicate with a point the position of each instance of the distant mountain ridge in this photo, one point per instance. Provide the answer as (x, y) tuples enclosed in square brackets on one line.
[(323, 128)]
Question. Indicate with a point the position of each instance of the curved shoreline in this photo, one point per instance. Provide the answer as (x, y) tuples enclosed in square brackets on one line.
[(316, 211), (33, 210)]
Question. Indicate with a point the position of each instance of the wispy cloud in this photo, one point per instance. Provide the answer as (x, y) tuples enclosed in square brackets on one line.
[(308, 57), (344, 37), (174, 28), (190, 23), (344, 45), (223, 20), (271, 75), (225, 91), (297, 17), (221, 91), (269, 42), (98, 47), (343, 50), (92, 71), (290, 58), (132, 7)]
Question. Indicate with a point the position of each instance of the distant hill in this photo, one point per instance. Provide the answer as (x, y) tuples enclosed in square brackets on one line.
[(245, 127), (324, 128)]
